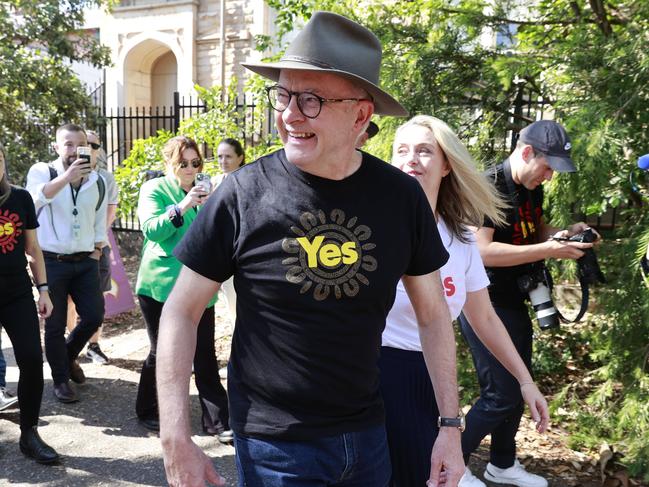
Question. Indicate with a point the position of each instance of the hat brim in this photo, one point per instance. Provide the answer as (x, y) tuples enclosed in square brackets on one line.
[(384, 104), (561, 164)]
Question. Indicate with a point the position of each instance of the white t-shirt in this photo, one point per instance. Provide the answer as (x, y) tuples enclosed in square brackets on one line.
[(464, 272)]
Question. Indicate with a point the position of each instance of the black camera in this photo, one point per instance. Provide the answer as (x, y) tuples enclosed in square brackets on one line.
[(587, 265), (537, 284)]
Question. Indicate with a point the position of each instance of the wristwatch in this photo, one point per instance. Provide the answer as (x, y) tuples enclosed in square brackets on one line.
[(457, 422)]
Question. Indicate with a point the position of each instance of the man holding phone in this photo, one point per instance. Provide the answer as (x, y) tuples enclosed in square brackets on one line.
[(71, 212)]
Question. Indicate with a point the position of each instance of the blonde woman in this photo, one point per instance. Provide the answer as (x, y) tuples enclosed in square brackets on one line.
[(427, 149)]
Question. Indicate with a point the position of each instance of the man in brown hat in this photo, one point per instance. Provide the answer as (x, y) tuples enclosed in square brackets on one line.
[(316, 235)]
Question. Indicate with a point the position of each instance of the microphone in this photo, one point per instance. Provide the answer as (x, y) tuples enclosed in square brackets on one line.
[(643, 162)]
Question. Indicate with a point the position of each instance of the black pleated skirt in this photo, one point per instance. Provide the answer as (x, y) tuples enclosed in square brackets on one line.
[(410, 415)]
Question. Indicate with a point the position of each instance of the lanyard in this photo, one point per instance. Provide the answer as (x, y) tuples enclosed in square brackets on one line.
[(75, 195)]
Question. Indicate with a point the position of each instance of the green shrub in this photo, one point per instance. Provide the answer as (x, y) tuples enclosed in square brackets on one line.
[(221, 119)]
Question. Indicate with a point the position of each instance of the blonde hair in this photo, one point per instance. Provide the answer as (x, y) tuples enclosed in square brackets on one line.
[(172, 152), (465, 196)]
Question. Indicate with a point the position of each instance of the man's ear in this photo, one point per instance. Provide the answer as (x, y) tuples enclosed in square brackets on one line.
[(364, 114), (527, 153)]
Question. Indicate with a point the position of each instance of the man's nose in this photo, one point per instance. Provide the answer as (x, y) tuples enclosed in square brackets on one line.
[(292, 112)]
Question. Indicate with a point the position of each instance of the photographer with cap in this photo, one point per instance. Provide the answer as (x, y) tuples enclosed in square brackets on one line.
[(508, 252), (371, 130), (309, 233)]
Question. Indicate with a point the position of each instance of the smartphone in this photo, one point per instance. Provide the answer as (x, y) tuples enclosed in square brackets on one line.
[(84, 153), (204, 180)]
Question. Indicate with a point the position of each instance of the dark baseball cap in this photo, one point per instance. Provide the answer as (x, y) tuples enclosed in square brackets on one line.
[(372, 129), (551, 139)]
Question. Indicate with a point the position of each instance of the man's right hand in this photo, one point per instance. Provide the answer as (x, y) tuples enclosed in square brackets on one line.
[(186, 465), (565, 249), (77, 170)]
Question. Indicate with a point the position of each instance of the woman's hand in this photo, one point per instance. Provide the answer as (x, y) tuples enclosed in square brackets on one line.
[(195, 197), (45, 306)]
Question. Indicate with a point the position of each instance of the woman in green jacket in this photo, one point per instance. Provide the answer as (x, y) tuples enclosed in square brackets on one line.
[(166, 208)]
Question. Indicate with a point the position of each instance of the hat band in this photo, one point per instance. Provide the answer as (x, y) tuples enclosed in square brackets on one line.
[(311, 61)]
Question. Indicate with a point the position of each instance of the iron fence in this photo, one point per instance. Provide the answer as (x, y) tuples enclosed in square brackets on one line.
[(120, 128)]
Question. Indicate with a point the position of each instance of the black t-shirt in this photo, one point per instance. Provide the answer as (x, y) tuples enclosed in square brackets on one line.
[(17, 214), (524, 217), (315, 264)]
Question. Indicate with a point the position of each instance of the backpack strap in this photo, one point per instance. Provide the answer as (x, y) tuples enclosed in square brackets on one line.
[(53, 175), (101, 187)]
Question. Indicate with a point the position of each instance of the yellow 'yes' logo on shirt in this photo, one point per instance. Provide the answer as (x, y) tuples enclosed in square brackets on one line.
[(330, 254)]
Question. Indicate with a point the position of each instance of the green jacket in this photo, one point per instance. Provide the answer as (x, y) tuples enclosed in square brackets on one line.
[(159, 269)]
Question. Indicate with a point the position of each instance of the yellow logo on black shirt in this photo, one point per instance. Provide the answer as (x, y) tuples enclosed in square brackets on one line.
[(9, 231), (329, 254)]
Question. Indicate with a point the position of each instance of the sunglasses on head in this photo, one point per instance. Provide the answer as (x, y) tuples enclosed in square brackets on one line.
[(196, 163), (94, 145)]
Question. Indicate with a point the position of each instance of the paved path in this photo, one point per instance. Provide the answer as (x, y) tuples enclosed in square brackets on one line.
[(100, 440)]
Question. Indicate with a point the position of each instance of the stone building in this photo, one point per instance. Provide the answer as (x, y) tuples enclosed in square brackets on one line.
[(162, 46)]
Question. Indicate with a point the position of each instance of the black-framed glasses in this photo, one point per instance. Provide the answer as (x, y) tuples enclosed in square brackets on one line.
[(94, 145), (196, 163), (309, 104)]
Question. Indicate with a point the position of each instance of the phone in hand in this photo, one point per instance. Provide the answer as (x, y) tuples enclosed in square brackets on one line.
[(203, 179), (84, 152)]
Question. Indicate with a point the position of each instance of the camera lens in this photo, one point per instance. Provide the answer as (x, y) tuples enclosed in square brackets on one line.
[(546, 313)]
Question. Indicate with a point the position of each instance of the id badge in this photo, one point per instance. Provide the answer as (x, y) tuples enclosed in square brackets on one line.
[(76, 226)]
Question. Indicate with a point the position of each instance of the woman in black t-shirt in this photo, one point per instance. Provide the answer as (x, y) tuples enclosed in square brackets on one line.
[(18, 312)]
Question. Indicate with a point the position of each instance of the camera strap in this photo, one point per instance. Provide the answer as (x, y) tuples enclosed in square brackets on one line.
[(584, 304), (515, 194)]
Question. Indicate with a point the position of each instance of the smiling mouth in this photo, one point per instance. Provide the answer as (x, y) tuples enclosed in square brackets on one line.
[(301, 135), (414, 173)]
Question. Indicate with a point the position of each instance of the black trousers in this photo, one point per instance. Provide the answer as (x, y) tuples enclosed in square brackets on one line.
[(212, 395), (80, 280), (19, 317), (499, 409)]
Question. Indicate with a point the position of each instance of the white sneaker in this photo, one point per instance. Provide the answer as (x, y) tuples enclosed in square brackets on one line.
[(514, 475), (223, 373), (470, 480), (6, 398)]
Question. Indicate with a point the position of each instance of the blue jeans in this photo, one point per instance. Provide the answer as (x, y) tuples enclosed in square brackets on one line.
[(357, 459)]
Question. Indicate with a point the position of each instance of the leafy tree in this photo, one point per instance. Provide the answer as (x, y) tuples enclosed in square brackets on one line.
[(221, 119), (38, 90), (588, 60)]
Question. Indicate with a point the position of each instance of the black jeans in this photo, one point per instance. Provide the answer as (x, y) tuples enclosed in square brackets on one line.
[(19, 318), (80, 280), (499, 409), (212, 395)]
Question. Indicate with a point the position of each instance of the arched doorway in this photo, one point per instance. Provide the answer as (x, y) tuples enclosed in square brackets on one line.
[(150, 75)]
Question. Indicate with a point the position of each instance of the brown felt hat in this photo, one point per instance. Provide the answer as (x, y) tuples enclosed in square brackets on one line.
[(331, 43)]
